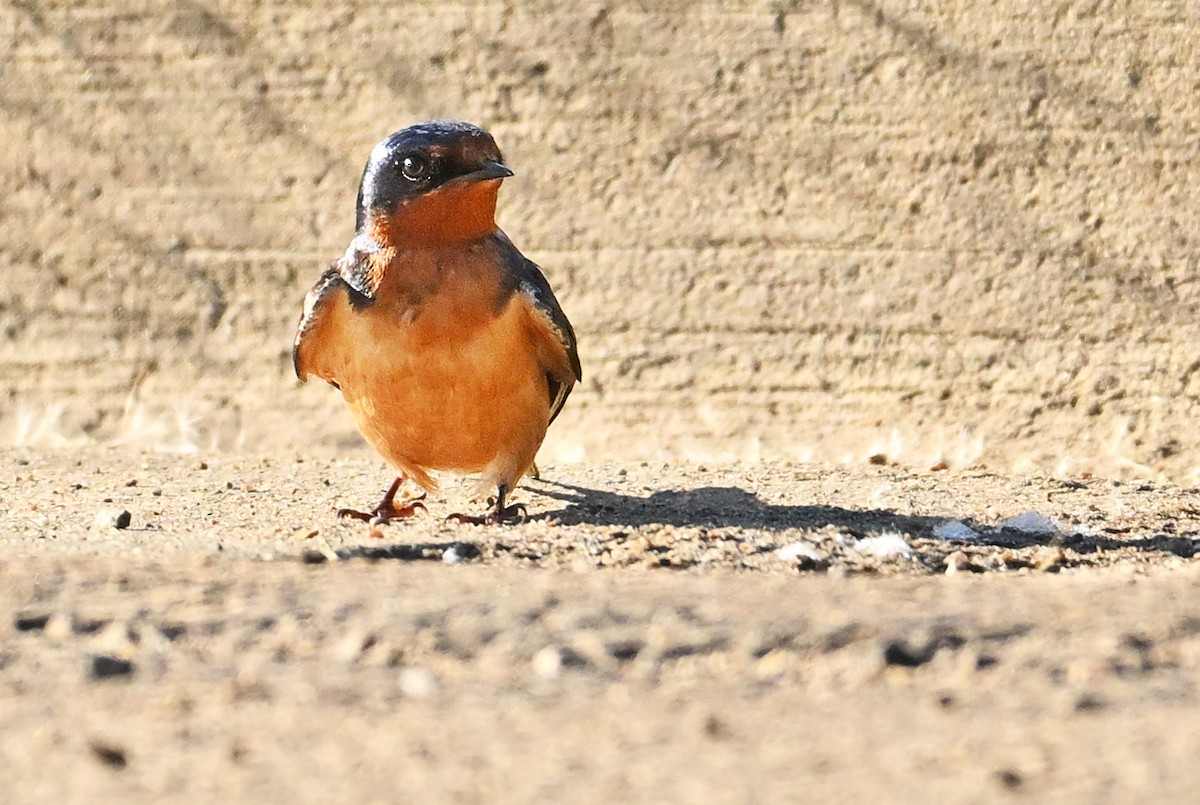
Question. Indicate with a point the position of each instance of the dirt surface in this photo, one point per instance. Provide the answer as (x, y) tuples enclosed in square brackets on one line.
[(752, 633)]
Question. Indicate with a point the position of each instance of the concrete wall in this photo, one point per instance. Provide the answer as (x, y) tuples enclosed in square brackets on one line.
[(955, 230)]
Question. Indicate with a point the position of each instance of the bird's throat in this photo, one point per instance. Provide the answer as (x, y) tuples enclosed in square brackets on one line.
[(455, 213)]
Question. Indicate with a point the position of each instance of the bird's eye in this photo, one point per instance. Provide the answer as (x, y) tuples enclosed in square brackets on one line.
[(414, 169)]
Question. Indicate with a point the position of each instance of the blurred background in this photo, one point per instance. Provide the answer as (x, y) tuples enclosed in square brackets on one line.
[(931, 233)]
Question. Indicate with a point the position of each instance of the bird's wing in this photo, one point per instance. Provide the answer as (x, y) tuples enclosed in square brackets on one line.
[(347, 281), (559, 351)]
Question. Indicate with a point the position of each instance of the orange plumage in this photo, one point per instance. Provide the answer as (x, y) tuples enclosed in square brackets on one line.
[(447, 344)]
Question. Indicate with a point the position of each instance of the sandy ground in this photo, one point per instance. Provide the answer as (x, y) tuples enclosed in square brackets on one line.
[(640, 638)]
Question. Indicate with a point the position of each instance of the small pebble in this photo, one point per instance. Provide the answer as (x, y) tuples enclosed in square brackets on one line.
[(462, 551), (1010, 779), (313, 558), (706, 725), (115, 638), (113, 518), (959, 562), (58, 626), (418, 683), (1030, 522), (771, 664), (31, 623), (884, 546), (955, 530), (548, 662), (350, 647), (106, 667), (801, 549), (110, 755)]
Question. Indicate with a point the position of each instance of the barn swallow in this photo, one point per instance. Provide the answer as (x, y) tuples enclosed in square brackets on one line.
[(446, 342)]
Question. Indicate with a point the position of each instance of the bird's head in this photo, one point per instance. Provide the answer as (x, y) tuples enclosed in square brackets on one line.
[(430, 183)]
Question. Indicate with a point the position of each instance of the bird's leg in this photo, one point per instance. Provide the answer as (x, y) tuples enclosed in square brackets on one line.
[(499, 515), (387, 509)]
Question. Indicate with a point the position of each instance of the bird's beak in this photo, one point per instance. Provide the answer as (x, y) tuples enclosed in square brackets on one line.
[(490, 169)]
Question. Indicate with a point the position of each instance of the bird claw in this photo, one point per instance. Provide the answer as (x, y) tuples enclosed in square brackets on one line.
[(384, 513), (509, 515)]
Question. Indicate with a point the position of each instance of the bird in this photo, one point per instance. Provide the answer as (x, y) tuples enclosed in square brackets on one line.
[(447, 343)]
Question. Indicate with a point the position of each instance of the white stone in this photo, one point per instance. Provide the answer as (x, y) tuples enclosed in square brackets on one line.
[(1031, 523), (884, 546), (800, 549), (955, 529)]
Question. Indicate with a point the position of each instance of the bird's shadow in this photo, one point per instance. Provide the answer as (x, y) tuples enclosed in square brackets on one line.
[(734, 507), (715, 507)]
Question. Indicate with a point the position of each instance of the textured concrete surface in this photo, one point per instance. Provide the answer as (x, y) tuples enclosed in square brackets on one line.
[(934, 231)]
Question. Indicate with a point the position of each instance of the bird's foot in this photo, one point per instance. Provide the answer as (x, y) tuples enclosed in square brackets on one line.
[(499, 515), (385, 511)]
